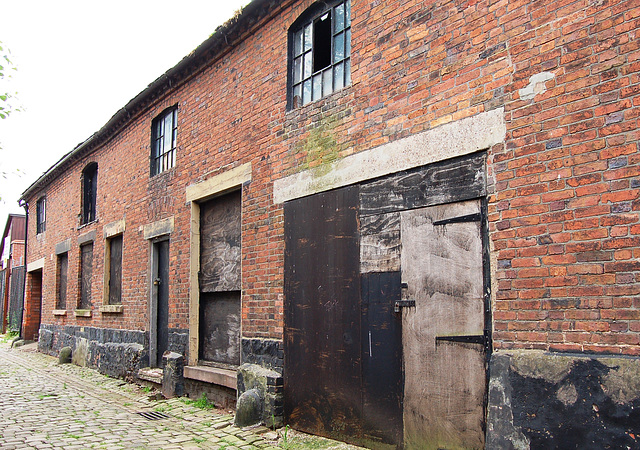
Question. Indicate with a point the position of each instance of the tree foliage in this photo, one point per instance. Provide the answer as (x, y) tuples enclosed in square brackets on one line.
[(6, 68)]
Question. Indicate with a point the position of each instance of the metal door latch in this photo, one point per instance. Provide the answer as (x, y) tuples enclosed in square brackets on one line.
[(403, 304), (157, 281)]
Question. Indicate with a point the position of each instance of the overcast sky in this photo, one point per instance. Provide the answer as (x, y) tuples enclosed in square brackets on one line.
[(79, 62)]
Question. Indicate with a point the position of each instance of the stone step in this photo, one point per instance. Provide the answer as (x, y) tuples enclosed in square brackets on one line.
[(154, 375)]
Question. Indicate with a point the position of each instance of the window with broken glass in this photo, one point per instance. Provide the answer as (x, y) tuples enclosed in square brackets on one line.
[(163, 146), (320, 52)]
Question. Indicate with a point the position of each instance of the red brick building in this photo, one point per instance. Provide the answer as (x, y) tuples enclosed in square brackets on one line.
[(421, 218), (12, 273)]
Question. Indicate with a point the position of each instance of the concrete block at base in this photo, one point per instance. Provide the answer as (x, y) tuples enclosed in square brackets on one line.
[(249, 408), (269, 386), (551, 400), (173, 375), (64, 357)]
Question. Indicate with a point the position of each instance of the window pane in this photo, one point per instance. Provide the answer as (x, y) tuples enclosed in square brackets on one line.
[(347, 13), (308, 63), (339, 76), (306, 92), (297, 70), (347, 72), (307, 37), (338, 48), (327, 78), (347, 51), (339, 20), (317, 86), (297, 93), (297, 43)]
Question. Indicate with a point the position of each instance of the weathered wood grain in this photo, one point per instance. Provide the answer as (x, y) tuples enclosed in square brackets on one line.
[(448, 181), (86, 275), (445, 382), (380, 243), (220, 328), (220, 244)]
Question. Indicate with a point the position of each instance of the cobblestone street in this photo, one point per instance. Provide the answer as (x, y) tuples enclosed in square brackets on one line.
[(47, 405)]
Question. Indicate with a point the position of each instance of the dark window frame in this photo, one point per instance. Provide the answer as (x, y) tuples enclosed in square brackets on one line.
[(114, 294), (41, 215), (89, 193), (62, 278), (163, 146), (311, 76), (85, 280)]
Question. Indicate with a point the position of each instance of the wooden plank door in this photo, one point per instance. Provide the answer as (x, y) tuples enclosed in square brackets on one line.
[(443, 346)]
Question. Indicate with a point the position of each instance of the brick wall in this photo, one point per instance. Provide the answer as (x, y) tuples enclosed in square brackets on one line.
[(564, 185)]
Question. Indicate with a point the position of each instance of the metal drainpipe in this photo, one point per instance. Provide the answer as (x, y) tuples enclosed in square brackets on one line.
[(25, 205)]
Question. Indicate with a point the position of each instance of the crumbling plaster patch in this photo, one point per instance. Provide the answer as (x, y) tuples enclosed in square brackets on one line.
[(537, 85)]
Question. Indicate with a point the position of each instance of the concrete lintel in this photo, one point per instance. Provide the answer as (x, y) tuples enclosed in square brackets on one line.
[(159, 228), (114, 228), (35, 265), (214, 375), (87, 237), (63, 247), (220, 183), (457, 138)]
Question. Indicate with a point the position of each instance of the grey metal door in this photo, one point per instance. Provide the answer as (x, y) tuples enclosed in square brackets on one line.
[(444, 333)]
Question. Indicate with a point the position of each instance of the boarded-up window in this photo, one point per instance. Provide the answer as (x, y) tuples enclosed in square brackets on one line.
[(86, 272), (115, 270), (63, 264), (220, 251)]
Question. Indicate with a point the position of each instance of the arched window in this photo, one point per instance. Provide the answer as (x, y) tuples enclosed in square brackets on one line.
[(89, 192), (319, 52)]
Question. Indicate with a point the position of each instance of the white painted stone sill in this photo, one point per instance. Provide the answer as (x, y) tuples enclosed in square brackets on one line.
[(59, 312), (111, 309), (82, 313), (214, 375)]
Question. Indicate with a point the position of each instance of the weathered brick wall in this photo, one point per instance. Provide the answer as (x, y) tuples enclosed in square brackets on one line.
[(563, 218)]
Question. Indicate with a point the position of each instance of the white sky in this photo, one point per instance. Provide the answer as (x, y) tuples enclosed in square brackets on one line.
[(79, 62)]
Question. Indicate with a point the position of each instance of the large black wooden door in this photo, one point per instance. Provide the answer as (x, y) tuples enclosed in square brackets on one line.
[(161, 283), (323, 387)]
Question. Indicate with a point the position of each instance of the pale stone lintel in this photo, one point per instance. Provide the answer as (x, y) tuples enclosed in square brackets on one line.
[(114, 228), (63, 247), (111, 309), (59, 312), (35, 265), (220, 183), (458, 138), (159, 228), (82, 313), (214, 375), (87, 237)]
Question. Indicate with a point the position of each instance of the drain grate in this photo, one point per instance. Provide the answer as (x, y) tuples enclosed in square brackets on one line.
[(153, 415)]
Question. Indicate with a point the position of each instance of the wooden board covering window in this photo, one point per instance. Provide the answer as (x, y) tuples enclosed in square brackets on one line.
[(86, 272), (115, 270), (63, 263)]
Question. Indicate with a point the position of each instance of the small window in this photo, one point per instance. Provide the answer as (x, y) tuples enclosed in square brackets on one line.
[(320, 48), (41, 215), (61, 284), (89, 193), (114, 271), (163, 145)]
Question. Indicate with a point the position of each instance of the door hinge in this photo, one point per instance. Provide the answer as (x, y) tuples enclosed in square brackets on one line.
[(484, 339), (403, 304), (476, 217)]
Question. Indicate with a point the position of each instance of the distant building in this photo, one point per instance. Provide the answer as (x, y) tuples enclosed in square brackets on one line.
[(402, 223), (12, 273)]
